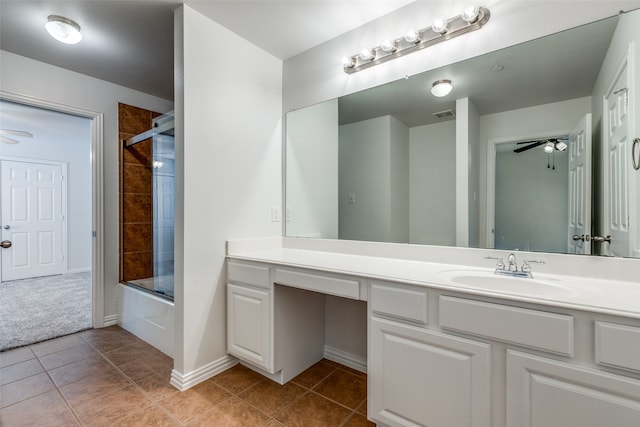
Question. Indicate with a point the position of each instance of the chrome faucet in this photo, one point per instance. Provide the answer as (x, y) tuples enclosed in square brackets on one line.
[(511, 268), (513, 265)]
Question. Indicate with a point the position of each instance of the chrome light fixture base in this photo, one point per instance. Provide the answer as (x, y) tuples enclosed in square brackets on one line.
[(427, 36)]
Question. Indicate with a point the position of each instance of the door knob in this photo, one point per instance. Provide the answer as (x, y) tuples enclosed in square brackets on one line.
[(601, 239), (6, 227), (583, 237), (5, 244)]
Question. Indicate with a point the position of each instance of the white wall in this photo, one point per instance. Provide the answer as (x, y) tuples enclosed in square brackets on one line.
[(473, 187), (24, 76), (626, 33), (531, 201), (63, 138), (432, 184), (228, 173), (542, 120), (312, 171)]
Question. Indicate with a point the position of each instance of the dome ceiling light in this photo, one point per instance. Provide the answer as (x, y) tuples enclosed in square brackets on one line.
[(63, 29)]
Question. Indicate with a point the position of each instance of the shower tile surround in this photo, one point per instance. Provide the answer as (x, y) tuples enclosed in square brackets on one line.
[(91, 378), (136, 198)]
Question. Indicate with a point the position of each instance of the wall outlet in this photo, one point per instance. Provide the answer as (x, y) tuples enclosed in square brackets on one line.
[(275, 214), (351, 198)]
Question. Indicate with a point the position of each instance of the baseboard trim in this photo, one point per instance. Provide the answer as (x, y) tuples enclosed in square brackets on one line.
[(354, 361), (183, 382), (78, 270), (110, 320)]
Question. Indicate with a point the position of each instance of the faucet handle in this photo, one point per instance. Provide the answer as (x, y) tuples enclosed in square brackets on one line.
[(525, 264), (499, 264)]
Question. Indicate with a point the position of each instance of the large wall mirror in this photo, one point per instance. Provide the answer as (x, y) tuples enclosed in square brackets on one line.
[(532, 150)]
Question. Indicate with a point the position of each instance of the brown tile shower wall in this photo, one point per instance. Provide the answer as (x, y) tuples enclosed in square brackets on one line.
[(136, 194)]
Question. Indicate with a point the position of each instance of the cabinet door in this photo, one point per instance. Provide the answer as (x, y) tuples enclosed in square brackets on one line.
[(249, 326), (419, 377), (547, 393)]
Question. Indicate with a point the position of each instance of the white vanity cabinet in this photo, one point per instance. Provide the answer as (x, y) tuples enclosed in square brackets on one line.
[(543, 392), (421, 377), (441, 358), (249, 314)]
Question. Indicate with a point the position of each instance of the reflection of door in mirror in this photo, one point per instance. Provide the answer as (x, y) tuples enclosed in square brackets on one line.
[(580, 187), (617, 173)]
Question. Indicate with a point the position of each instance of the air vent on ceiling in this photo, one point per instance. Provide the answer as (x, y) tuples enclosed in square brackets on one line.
[(443, 114)]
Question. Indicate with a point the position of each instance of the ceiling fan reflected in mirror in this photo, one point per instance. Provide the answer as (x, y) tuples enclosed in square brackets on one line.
[(19, 133), (550, 144)]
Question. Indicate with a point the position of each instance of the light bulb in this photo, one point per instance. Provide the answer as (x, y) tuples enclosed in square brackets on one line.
[(548, 147), (561, 146), (441, 88), (412, 36), (366, 54), (389, 45), (348, 62), (64, 30), (440, 26), (470, 13)]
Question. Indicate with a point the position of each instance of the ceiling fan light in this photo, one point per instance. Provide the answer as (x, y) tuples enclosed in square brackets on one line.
[(561, 146), (548, 147), (63, 29), (441, 88)]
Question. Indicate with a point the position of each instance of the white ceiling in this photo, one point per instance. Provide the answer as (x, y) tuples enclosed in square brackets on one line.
[(131, 42)]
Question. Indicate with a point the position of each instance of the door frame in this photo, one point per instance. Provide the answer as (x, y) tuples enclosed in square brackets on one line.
[(64, 201), (97, 188), (492, 143)]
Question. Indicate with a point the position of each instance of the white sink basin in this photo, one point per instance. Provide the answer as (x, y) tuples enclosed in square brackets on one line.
[(489, 281)]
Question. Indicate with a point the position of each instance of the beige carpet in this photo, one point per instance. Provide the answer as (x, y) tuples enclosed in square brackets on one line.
[(41, 308)]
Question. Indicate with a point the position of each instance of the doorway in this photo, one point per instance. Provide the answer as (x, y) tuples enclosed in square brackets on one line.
[(47, 216)]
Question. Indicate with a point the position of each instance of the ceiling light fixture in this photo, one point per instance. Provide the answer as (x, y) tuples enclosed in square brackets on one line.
[(441, 88), (548, 147), (472, 18), (63, 29), (561, 146)]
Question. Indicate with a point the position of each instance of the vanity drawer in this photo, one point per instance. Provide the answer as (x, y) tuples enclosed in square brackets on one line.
[(618, 346), (392, 300), (338, 286), (531, 328), (248, 274)]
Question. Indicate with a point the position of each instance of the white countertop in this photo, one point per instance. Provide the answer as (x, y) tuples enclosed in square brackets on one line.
[(616, 297)]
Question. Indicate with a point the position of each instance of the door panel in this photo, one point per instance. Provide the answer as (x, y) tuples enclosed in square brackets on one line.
[(32, 219), (616, 168)]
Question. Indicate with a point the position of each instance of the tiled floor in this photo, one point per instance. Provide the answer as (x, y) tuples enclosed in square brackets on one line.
[(108, 377)]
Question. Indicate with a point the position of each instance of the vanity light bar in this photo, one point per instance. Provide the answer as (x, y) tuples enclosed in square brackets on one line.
[(440, 31)]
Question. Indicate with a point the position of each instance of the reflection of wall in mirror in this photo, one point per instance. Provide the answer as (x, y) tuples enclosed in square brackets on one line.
[(373, 169), (531, 201), (312, 171)]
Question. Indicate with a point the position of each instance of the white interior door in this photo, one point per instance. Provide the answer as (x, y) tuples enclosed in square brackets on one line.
[(616, 166), (580, 187), (32, 219)]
